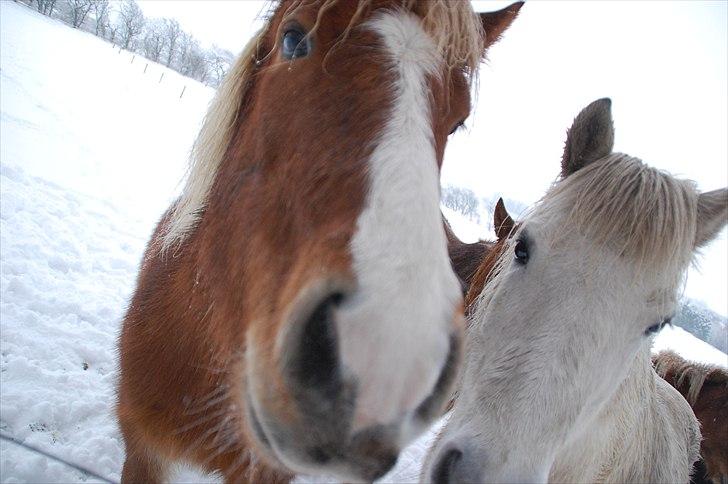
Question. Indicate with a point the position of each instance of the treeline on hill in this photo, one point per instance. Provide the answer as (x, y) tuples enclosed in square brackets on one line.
[(702, 323), (479, 210), (692, 316), (160, 40)]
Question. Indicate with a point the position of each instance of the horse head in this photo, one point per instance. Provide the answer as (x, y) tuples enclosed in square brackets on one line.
[(306, 255)]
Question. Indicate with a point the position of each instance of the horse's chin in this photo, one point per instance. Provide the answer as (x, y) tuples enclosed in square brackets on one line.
[(260, 440), (257, 428), (365, 456)]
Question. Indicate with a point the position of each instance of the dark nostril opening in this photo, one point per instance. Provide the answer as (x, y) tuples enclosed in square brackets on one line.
[(317, 361), (446, 466), (319, 455)]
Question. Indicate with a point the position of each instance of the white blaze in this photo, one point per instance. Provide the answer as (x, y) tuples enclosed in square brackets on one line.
[(394, 334)]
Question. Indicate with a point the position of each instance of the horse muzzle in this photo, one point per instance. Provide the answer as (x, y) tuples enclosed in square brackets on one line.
[(317, 431)]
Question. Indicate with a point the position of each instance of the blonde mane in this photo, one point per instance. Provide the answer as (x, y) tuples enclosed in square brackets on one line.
[(216, 133), (688, 376), (457, 32), (643, 213)]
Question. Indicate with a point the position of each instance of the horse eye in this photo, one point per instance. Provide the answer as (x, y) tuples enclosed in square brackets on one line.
[(521, 251), (295, 44), (653, 329), (461, 124), (657, 327)]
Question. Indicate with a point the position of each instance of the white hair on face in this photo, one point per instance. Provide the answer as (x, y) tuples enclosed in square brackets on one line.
[(409, 293), (558, 376), (641, 212)]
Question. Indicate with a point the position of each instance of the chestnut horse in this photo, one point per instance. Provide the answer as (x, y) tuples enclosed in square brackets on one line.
[(504, 226), (705, 387), (558, 383), (296, 310), (465, 258)]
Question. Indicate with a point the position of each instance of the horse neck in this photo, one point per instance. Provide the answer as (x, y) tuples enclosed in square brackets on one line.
[(621, 444)]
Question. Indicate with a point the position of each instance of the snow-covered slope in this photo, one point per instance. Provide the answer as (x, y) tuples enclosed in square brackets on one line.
[(68, 266), (83, 114), (689, 347), (91, 150)]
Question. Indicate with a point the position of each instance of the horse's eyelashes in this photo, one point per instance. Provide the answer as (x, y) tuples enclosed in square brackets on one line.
[(653, 329), (521, 251), (657, 327), (460, 125)]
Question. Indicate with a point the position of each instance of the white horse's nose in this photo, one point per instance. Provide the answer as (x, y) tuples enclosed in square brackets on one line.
[(457, 462), (446, 466)]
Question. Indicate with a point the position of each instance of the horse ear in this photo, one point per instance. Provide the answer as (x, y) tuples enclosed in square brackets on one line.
[(590, 137), (502, 221), (712, 215), (495, 23)]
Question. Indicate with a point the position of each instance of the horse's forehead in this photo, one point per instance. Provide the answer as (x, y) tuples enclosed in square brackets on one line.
[(662, 297), (335, 16)]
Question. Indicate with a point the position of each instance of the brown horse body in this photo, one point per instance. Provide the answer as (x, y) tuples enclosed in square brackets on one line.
[(271, 307), (705, 387)]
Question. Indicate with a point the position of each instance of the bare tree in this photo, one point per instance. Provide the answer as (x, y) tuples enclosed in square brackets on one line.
[(461, 200), (46, 7), (219, 62), (192, 60), (197, 64), (184, 45), (131, 23), (172, 33), (77, 11), (154, 39), (101, 10)]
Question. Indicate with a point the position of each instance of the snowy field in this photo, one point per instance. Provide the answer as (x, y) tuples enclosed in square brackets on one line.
[(92, 150)]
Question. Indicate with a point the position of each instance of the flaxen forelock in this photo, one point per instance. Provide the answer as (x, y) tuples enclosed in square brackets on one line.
[(643, 213), (636, 211)]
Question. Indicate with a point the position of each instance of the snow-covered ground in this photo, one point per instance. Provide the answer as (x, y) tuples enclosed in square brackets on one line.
[(91, 150)]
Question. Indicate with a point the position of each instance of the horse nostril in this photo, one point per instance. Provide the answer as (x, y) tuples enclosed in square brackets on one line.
[(319, 455), (446, 466), (316, 364)]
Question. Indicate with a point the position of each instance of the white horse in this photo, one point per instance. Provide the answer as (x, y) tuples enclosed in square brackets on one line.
[(558, 384)]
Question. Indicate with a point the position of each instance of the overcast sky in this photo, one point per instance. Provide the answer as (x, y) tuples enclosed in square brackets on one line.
[(664, 64)]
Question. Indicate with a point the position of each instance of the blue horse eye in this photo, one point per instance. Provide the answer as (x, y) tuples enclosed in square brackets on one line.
[(295, 44)]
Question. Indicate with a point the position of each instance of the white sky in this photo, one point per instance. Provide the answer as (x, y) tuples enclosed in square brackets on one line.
[(226, 23), (664, 64)]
